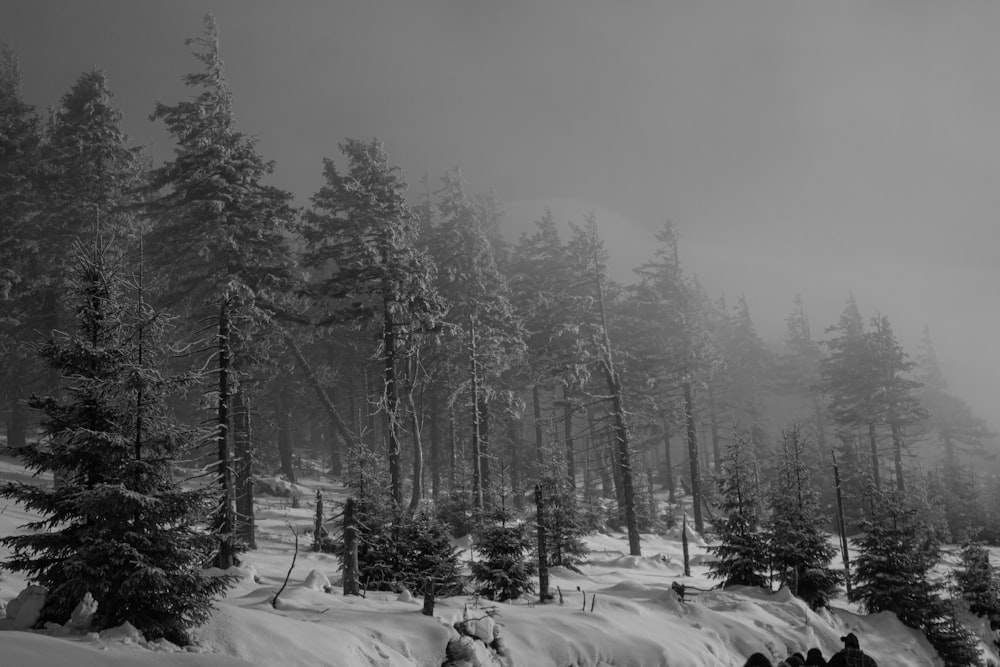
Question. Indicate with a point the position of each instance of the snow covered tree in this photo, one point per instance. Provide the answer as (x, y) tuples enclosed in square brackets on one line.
[(115, 524), (488, 334), (977, 580), (956, 645), (564, 526), (895, 555), (800, 550), (895, 396), (362, 237), (218, 249), (741, 556), (503, 571)]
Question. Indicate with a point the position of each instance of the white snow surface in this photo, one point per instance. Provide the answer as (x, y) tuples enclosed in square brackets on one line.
[(637, 620)]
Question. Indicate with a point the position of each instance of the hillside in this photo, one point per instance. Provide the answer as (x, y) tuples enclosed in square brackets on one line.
[(632, 617)]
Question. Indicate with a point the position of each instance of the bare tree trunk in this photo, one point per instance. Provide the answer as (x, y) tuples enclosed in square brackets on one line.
[(435, 444), (668, 463), (224, 523), (418, 450), (484, 452), (897, 455), (618, 416), (568, 438), (841, 523), (351, 584), (477, 483), (699, 524), (392, 405), (543, 559), (536, 402), (714, 421), (873, 442), (243, 445)]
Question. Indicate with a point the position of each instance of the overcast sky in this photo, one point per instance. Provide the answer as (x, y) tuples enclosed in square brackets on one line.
[(807, 147)]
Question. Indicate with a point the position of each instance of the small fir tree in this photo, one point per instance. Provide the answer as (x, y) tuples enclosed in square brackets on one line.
[(977, 581), (741, 555), (115, 525), (503, 571), (956, 645), (800, 550), (564, 527)]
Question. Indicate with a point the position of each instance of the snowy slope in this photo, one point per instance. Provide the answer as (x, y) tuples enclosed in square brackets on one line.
[(637, 620)]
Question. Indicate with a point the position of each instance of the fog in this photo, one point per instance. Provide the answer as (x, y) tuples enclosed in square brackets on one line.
[(808, 148)]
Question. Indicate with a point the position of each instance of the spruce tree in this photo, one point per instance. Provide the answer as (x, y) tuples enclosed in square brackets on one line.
[(978, 583), (564, 525), (896, 553), (362, 235), (741, 555), (217, 244), (800, 550), (503, 571), (115, 524)]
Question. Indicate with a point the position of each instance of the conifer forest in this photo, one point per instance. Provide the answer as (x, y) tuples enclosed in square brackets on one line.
[(181, 337)]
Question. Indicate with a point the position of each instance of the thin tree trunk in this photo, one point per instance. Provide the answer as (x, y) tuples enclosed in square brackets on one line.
[(618, 415), (841, 522), (699, 524), (714, 421), (392, 405), (435, 445), (452, 448), (897, 455), (568, 438), (477, 485), (668, 462), (536, 402), (418, 452), (543, 561), (484, 451), (873, 442), (285, 454), (224, 524), (242, 442), (351, 584)]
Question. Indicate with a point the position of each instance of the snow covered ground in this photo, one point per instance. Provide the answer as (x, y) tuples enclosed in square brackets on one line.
[(636, 621)]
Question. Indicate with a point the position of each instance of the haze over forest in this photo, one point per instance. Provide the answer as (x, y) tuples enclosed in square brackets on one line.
[(797, 147)]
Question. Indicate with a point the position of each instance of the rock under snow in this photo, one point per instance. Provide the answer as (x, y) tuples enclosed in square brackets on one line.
[(24, 610), (317, 581)]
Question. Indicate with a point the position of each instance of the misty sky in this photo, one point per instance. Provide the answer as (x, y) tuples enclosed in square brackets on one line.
[(802, 147)]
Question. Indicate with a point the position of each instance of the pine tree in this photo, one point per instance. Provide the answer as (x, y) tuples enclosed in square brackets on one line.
[(503, 570), (978, 583), (956, 645), (362, 232), (895, 556), (217, 241), (488, 336), (115, 525), (800, 550), (894, 398), (741, 555), (748, 363), (564, 527)]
